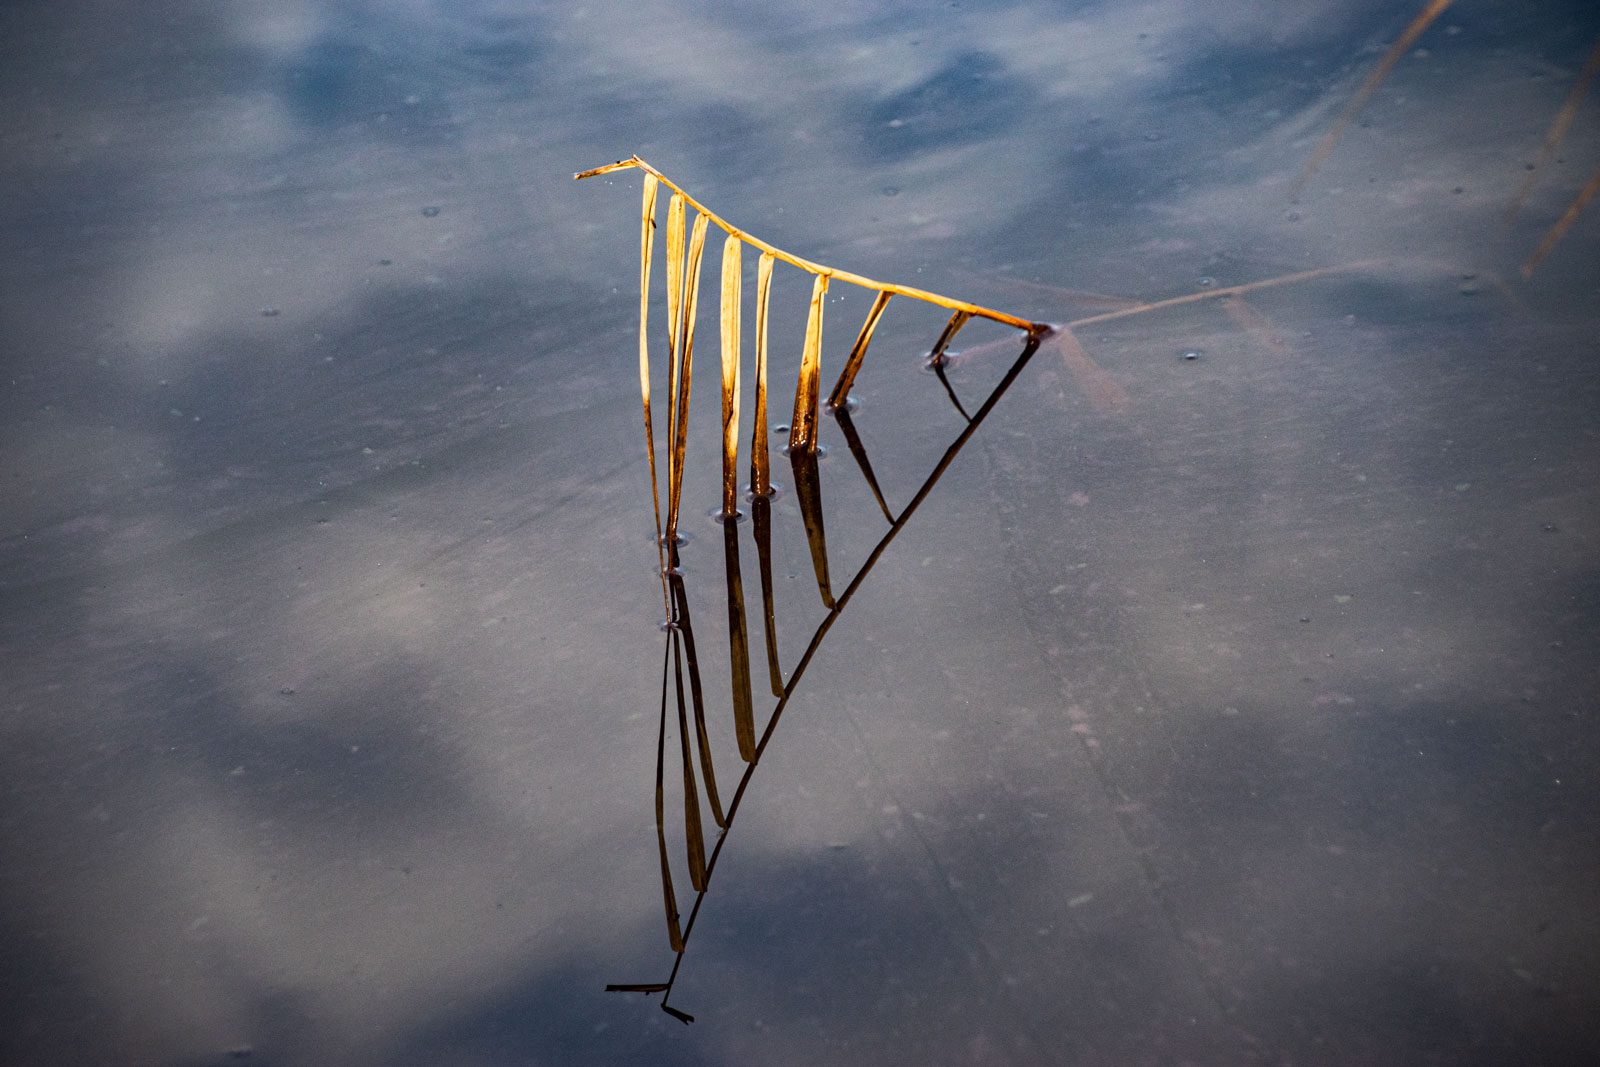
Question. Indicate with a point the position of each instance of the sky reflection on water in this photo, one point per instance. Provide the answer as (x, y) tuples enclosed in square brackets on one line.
[(1250, 722)]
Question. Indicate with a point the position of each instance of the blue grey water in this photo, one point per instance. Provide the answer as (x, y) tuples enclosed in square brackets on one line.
[(1230, 709)]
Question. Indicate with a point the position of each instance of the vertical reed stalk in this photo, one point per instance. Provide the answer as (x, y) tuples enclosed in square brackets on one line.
[(803, 429), (847, 377), (731, 294), (760, 478)]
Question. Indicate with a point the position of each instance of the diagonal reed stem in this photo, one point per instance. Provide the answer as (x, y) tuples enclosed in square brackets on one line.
[(841, 389), (684, 368), (1424, 19)]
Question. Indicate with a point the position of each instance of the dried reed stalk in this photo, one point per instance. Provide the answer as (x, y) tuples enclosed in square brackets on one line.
[(936, 358), (675, 217), (760, 479), (858, 352), (647, 235), (951, 328), (731, 283), (803, 428), (685, 371)]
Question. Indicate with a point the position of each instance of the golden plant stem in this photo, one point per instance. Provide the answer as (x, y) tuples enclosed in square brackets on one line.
[(847, 377), (951, 328), (647, 233), (760, 470), (803, 428), (731, 296), (808, 266), (1432, 11), (685, 370), (675, 217)]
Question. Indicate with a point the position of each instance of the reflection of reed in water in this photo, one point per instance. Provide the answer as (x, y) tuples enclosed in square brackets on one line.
[(1558, 130)]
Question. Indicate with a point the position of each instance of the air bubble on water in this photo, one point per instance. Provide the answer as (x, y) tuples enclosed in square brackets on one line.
[(1189, 355), (429, 212), (821, 449), (851, 404), (1206, 281)]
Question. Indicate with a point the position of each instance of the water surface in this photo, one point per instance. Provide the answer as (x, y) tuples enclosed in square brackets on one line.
[(1248, 720)]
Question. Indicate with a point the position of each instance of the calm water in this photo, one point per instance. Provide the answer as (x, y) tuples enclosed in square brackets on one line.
[(1229, 709)]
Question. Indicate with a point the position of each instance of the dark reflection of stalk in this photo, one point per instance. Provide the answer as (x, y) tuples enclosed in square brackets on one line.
[(738, 645), (937, 359), (761, 529), (1035, 337), (808, 491), (950, 390), (853, 439), (680, 615), (694, 835), (674, 933)]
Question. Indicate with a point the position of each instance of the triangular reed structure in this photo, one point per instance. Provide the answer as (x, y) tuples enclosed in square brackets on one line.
[(681, 684), (682, 690)]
